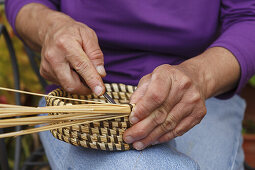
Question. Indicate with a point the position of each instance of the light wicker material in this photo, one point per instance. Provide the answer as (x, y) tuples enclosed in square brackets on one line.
[(102, 135)]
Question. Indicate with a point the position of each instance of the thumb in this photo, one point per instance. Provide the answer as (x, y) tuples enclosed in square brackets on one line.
[(141, 89), (93, 51)]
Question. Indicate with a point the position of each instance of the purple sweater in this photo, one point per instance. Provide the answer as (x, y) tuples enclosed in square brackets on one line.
[(137, 36)]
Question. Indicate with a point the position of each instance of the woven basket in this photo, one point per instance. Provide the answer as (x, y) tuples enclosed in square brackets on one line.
[(102, 135)]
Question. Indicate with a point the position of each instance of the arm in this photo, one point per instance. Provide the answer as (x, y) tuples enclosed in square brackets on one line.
[(67, 47), (171, 100)]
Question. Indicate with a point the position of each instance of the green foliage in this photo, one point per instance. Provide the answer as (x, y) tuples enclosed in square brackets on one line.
[(29, 82), (248, 127), (28, 79), (252, 81)]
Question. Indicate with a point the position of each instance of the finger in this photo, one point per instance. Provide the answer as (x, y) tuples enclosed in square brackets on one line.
[(47, 73), (69, 80), (184, 126), (141, 89), (173, 118), (157, 117), (140, 130), (92, 49), (155, 96), (81, 63)]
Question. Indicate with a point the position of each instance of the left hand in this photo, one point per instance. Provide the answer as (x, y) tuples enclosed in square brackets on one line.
[(169, 102)]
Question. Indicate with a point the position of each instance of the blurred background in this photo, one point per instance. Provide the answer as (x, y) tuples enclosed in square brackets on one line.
[(29, 82)]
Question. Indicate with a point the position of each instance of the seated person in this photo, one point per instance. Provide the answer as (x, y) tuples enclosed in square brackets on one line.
[(180, 54)]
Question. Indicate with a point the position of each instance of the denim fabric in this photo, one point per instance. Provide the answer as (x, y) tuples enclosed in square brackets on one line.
[(213, 144)]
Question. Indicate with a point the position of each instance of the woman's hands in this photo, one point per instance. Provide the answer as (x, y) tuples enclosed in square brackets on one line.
[(169, 102), (69, 49), (72, 45)]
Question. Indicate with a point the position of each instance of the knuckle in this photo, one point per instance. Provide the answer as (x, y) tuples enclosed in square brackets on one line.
[(168, 137), (149, 139), (177, 133), (43, 72), (185, 83), (144, 79), (141, 111), (157, 98), (90, 33), (170, 123), (96, 54), (50, 55), (195, 97), (167, 125), (165, 66), (81, 66), (141, 132), (60, 41), (159, 116)]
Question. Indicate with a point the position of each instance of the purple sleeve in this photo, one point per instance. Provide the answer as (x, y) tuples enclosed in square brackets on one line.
[(238, 36), (12, 8)]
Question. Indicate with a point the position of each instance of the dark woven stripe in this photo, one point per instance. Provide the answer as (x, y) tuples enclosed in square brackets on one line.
[(114, 147), (79, 135), (99, 139), (78, 142), (70, 141), (91, 125), (112, 89), (90, 131), (98, 146), (119, 124), (88, 144), (122, 147), (110, 125), (107, 147), (100, 132), (89, 138), (108, 132), (59, 101), (101, 124), (115, 139)]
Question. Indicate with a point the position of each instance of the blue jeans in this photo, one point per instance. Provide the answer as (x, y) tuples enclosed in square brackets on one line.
[(216, 143)]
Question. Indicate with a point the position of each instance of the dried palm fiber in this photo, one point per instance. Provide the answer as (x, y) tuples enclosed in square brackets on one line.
[(101, 135)]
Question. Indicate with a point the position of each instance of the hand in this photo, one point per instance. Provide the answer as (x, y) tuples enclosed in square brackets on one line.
[(68, 48), (169, 102)]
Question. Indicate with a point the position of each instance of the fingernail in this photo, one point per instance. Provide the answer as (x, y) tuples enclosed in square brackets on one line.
[(138, 145), (69, 89), (98, 90), (133, 120), (155, 143), (101, 70), (129, 139)]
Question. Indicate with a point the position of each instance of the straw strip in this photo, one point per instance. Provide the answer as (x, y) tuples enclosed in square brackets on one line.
[(82, 108), (45, 95), (51, 127)]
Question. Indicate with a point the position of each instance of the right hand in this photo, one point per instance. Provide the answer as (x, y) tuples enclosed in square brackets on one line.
[(70, 48)]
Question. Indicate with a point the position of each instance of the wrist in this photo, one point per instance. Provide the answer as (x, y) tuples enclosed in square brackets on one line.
[(202, 77), (216, 71)]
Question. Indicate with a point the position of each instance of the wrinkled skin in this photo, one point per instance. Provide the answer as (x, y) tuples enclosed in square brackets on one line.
[(168, 102)]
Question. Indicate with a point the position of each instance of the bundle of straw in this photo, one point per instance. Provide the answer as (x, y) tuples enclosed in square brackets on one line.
[(87, 121)]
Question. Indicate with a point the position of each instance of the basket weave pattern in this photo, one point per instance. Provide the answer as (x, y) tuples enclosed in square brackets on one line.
[(101, 135)]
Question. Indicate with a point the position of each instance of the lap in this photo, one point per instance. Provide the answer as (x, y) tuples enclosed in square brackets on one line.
[(216, 143), (213, 144)]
